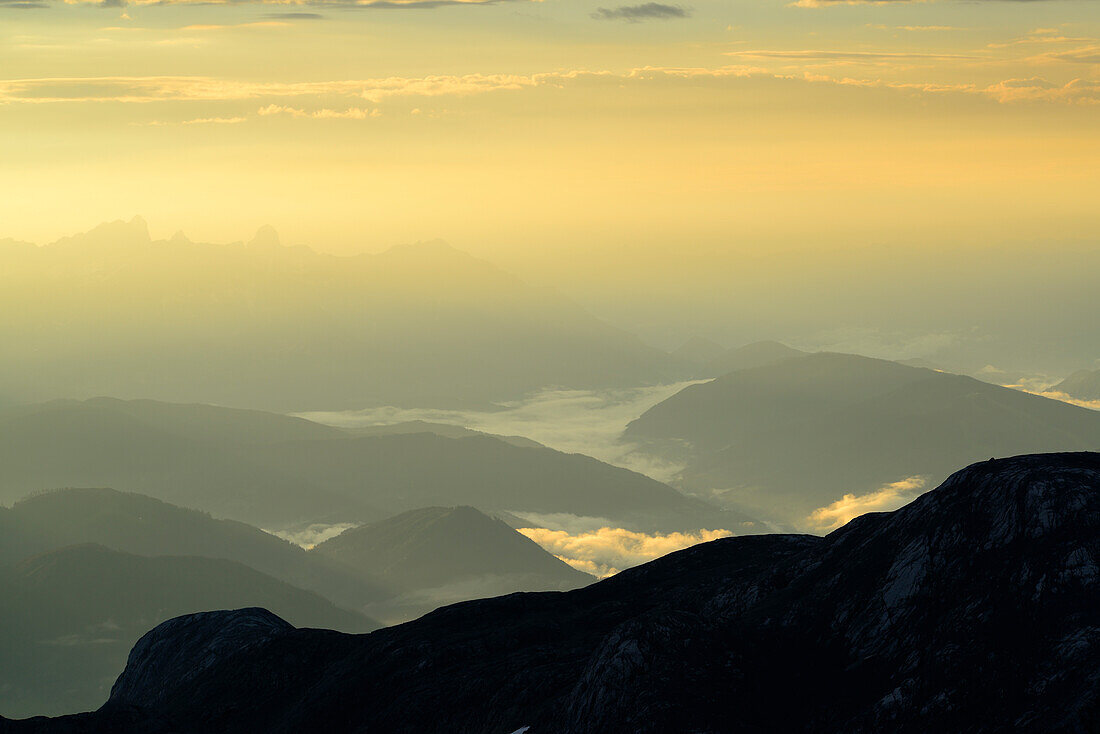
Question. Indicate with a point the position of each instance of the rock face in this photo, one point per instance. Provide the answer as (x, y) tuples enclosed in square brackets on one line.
[(183, 649), (976, 608)]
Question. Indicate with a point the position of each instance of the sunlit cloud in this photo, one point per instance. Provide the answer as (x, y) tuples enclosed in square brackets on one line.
[(606, 551), (199, 121), (131, 90), (352, 113), (1056, 395), (849, 55), (379, 4), (844, 510), (831, 3)]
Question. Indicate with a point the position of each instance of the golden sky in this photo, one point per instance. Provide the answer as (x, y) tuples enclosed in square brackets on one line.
[(524, 130)]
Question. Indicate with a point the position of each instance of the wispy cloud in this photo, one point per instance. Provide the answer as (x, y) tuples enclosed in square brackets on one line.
[(575, 421), (831, 3), (137, 90), (352, 113), (849, 55), (199, 121), (844, 510), (638, 13), (360, 4)]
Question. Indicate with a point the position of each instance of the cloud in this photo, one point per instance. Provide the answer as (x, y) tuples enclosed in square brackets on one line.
[(137, 90), (1038, 89), (352, 113), (22, 5), (255, 24), (351, 4), (310, 535), (574, 421), (830, 3), (848, 55), (294, 16), (200, 121), (1056, 395), (645, 11), (606, 551), (190, 89), (888, 497), (1084, 55)]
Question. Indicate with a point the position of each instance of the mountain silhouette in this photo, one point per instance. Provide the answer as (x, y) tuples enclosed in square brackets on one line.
[(72, 614), (137, 524), (111, 312), (974, 608), (439, 555), (275, 471)]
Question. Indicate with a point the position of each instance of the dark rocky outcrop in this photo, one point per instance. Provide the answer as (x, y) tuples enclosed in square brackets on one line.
[(975, 608)]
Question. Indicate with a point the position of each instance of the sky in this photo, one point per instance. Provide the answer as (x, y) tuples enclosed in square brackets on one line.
[(556, 137)]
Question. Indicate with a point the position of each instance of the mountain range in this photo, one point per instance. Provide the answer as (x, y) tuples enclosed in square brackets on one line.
[(783, 440), (83, 573), (975, 608), (275, 471), (113, 312)]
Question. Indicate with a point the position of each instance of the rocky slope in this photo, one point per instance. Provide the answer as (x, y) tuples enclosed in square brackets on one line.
[(975, 608)]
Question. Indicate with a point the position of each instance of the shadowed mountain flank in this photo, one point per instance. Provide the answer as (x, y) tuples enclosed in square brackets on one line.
[(784, 440), (441, 555), (438, 545), (974, 608), (71, 615), (134, 523)]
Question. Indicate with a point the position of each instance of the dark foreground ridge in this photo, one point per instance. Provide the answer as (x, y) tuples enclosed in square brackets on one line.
[(975, 608)]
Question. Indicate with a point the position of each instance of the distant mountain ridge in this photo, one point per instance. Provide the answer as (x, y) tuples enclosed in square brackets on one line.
[(711, 359), (134, 523), (1082, 385), (274, 471), (975, 608), (437, 545), (440, 555), (112, 312), (783, 440)]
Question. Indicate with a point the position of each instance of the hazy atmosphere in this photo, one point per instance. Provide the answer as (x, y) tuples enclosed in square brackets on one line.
[(549, 366)]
